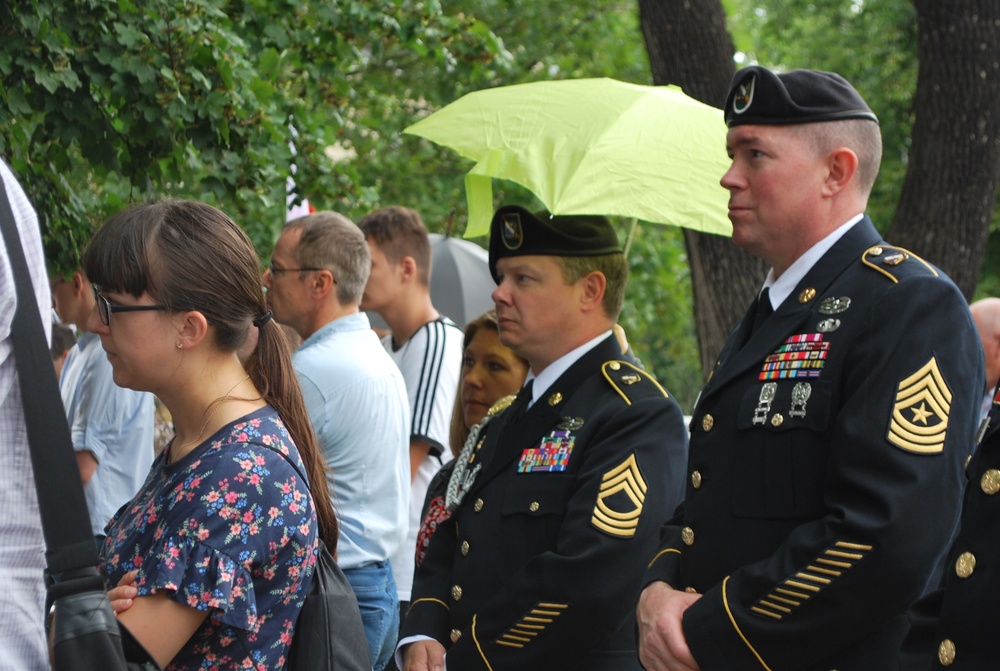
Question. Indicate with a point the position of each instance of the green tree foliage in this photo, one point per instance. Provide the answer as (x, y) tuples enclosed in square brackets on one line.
[(104, 103), (873, 43)]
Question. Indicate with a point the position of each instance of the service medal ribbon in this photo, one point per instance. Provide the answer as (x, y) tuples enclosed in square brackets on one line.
[(551, 455)]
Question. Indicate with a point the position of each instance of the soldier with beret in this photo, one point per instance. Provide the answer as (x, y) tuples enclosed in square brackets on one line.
[(558, 497), (827, 447)]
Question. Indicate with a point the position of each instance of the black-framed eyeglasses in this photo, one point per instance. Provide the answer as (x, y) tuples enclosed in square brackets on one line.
[(105, 308), (274, 270)]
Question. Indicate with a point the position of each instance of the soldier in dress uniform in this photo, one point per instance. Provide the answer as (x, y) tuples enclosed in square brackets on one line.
[(557, 499), (955, 627), (827, 447)]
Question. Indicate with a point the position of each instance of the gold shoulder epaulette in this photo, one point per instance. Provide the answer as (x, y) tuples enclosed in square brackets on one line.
[(629, 381), (884, 258), (501, 405)]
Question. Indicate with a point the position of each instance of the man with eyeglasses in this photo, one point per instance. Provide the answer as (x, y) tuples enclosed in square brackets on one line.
[(111, 427), (356, 400)]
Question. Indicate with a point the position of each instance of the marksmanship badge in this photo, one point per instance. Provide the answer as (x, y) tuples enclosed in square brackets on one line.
[(767, 392), (800, 396)]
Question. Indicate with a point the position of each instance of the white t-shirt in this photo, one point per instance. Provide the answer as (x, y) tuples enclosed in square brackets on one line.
[(431, 362)]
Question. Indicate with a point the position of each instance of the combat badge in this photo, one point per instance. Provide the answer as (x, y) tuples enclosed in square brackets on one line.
[(571, 423), (919, 420), (625, 478), (834, 306), (764, 401)]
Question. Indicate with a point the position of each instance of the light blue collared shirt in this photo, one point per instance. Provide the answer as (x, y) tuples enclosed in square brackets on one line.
[(113, 423), (356, 400)]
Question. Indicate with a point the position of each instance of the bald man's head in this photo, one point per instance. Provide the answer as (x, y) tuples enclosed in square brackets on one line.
[(986, 313)]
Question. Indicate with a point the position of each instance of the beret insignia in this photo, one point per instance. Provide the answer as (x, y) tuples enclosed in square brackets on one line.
[(744, 95), (511, 232)]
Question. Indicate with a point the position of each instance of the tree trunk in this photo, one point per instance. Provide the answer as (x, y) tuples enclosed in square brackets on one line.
[(689, 46), (953, 174)]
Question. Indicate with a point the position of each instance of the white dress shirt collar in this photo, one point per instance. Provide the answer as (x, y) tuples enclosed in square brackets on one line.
[(783, 286)]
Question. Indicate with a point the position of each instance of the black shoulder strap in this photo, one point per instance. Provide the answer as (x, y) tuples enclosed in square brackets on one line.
[(65, 521)]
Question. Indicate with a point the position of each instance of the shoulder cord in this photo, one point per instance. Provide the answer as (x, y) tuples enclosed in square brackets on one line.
[(461, 478)]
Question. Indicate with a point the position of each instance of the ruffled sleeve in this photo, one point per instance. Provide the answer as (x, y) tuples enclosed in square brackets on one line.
[(230, 530), (201, 577)]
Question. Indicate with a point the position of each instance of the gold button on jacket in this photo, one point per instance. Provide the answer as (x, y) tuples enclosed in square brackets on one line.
[(990, 482), (707, 422), (946, 652), (965, 564)]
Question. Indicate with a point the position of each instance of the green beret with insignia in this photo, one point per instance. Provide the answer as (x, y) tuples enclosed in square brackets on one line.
[(515, 231), (760, 97)]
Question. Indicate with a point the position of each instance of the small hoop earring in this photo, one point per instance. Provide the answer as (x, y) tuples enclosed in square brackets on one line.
[(180, 345)]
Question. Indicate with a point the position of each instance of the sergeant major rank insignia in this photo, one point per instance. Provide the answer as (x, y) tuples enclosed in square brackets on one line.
[(919, 420)]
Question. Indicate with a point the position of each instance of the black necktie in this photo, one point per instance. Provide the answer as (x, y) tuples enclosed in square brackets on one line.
[(764, 310), (521, 402), (758, 311)]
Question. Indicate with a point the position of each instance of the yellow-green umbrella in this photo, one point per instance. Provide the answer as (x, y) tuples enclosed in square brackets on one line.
[(591, 146)]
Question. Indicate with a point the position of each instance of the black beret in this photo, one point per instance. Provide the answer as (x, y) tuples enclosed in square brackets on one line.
[(761, 97), (515, 231)]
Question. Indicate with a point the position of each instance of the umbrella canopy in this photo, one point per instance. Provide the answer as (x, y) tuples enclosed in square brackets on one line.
[(461, 283), (591, 146)]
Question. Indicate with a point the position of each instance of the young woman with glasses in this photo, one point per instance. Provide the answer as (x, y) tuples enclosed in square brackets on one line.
[(212, 558)]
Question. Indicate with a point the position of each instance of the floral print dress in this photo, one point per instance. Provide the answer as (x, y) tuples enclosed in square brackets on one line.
[(229, 529)]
